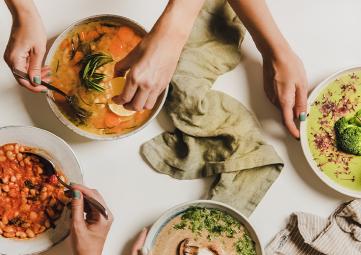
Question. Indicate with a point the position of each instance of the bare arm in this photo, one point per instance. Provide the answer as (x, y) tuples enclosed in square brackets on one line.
[(285, 79), (154, 60), (27, 43)]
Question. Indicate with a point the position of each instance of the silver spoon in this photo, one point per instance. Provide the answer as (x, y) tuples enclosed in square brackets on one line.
[(49, 170), (73, 101)]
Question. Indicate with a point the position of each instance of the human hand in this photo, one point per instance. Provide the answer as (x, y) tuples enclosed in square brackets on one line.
[(138, 245), (286, 85), (26, 49), (89, 233), (152, 64)]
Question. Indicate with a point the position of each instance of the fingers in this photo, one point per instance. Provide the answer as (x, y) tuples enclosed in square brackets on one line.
[(152, 99), (138, 245), (77, 205), (300, 108), (35, 63), (22, 65), (128, 93), (139, 100), (93, 213), (287, 113)]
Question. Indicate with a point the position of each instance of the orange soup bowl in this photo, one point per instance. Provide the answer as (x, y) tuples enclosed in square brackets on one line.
[(82, 60)]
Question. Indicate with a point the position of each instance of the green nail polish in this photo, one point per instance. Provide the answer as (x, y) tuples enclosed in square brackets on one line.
[(37, 80), (72, 183), (302, 116), (44, 91), (76, 194)]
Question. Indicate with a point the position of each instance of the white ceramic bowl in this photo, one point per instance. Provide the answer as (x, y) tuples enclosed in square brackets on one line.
[(175, 211), (304, 141), (118, 20), (65, 159)]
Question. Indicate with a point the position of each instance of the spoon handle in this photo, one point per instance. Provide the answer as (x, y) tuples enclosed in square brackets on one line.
[(97, 205), (25, 76)]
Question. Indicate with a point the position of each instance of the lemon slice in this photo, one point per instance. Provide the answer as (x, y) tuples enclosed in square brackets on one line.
[(117, 88), (120, 110), (117, 85)]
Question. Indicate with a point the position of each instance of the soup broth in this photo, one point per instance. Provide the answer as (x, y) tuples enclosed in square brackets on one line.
[(206, 231), (83, 66)]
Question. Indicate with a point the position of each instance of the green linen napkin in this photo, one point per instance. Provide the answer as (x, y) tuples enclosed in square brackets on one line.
[(215, 134)]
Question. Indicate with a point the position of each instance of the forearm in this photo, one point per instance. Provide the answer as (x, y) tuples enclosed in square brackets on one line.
[(177, 20), (22, 10), (258, 20)]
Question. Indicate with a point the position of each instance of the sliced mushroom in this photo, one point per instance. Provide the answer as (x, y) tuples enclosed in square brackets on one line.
[(186, 247)]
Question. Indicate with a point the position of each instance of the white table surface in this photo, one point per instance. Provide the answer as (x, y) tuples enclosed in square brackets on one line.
[(325, 34)]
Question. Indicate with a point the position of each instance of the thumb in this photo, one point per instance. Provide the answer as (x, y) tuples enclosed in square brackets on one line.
[(138, 245), (124, 64), (35, 61), (77, 208)]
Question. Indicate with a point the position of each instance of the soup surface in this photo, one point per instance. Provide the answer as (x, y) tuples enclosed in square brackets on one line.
[(30, 201), (340, 98), (83, 66), (207, 231)]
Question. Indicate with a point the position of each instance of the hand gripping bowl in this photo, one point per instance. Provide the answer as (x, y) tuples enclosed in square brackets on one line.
[(65, 159), (179, 209), (114, 19)]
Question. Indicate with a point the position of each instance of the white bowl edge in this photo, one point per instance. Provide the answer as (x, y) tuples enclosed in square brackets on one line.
[(304, 140)]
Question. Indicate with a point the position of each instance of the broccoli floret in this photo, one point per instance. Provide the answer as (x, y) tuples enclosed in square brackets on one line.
[(348, 134)]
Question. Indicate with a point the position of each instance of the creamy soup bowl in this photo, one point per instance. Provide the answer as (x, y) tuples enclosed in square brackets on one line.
[(121, 21), (179, 209)]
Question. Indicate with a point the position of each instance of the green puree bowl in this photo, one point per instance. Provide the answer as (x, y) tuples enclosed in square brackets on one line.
[(338, 170)]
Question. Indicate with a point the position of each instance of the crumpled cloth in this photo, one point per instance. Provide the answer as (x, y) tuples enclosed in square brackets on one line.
[(215, 134), (308, 234)]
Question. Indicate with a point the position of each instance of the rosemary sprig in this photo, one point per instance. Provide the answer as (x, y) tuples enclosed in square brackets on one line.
[(88, 75)]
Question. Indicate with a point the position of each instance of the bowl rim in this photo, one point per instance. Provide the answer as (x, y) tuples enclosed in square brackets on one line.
[(76, 160), (304, 140), (60, 116), (177, 209)]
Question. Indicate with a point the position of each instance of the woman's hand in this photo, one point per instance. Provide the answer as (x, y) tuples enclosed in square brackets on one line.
[(152, 64), (89, 233), (138, 245), (27, 44), (285, 84), (285, 79)]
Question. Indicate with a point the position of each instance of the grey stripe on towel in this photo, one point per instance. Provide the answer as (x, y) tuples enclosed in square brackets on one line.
[(308, 234)]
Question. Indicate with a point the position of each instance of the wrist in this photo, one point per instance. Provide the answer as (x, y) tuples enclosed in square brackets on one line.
[(177, 21), (276, 50), (23, 11)]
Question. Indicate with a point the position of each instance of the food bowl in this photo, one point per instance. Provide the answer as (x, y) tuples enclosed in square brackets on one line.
[(65, 159), (179, 209), (114, 19), (344, 176)]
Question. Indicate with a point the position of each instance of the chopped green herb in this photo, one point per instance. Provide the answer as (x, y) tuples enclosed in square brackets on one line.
[(88, 75), (216, 223)]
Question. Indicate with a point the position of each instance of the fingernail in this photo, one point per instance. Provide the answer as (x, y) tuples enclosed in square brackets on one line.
[(37, 80), (76, 194), (72, 183), (302, 116), (44, 91)]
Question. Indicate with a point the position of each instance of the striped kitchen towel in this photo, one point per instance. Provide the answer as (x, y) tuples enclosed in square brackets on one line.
[(309, 234)]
